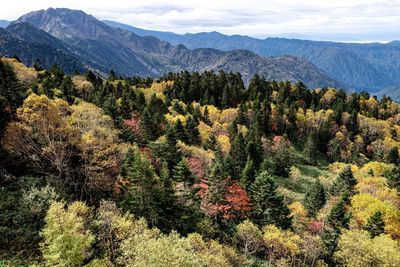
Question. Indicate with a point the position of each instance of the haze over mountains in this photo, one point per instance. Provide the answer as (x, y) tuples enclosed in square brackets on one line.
[(77, 41)]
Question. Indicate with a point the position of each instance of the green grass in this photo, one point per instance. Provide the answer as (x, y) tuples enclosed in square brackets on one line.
[(294, 190)]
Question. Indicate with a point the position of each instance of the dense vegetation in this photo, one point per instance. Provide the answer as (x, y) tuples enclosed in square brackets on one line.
[(194, 169)]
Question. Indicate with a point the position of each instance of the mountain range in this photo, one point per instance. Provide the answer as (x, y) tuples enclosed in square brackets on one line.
[(368, 66), (85, 42), (75, 40)]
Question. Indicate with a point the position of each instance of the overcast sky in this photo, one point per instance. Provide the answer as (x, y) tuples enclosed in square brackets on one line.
[(337, 20)]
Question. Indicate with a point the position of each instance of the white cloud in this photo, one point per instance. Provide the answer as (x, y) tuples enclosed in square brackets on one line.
[(357, 20)]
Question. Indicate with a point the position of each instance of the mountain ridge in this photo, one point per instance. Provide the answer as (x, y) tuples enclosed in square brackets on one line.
[(364, 66), (104, 47)]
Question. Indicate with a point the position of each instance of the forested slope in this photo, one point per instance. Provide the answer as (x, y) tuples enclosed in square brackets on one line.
[(194, 169)]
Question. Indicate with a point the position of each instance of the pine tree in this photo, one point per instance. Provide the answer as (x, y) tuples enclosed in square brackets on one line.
[(315, 198), (226, 94), (393, 178), (238, 154), (375, 225), (248, 173), (179, 131), (12, 93), (165, 199), (68, 89), (182, 173), (268, 205), (241, 117), (192, 132), (146, 125), (345, 182), (179, 206), (393, 156), (216, 182), (140, 197), (253, 150), (339, 217)]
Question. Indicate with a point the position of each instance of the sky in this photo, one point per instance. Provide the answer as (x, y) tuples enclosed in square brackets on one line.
[(331, 20)]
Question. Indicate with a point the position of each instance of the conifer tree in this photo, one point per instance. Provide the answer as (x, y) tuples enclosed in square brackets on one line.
[(339, 217), (344, 183), (140, 197), (375, 225), (182, 173), (216, 182), (268, 205), (248, 173), (192, 132), (68, 89), (393, 178), (179, 131), (12, 93), (165, 198), (393, 156), (241, 117), (315, 198), (225, 101), (146, 125), (238, 154)]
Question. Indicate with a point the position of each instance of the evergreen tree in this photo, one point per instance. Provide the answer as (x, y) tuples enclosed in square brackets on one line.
[(393, 156), (268, 205), (216, 182), (339, 217), (315, 198), (179, 131), (166, 200), (344, 183), (253, 150), (226, 94), (241, 117), (393, 178), (248, 173), (140, 197), (68, 89), (192, 132), (12, 93), (375, 225), (146, 125), (182, 173), (238, 154)]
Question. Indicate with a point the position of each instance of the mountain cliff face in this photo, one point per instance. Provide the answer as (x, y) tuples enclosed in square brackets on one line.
[(364, 66), (103, 47)]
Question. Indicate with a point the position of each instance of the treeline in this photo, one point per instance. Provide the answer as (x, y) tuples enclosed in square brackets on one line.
[(229, 168)]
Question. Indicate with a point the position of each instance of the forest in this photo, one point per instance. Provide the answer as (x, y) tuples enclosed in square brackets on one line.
[(194, 169)]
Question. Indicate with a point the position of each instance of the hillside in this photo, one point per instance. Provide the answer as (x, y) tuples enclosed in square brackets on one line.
[(4, 23), (363, 66), (194, 169), (43, 52), (391, 91), (101, 47)]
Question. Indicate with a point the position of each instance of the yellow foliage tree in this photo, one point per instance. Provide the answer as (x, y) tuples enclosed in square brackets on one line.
[(365, 205), (356, 248)]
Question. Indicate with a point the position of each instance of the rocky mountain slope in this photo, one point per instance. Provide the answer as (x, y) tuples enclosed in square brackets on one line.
[(102, 47), (363, 66)]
